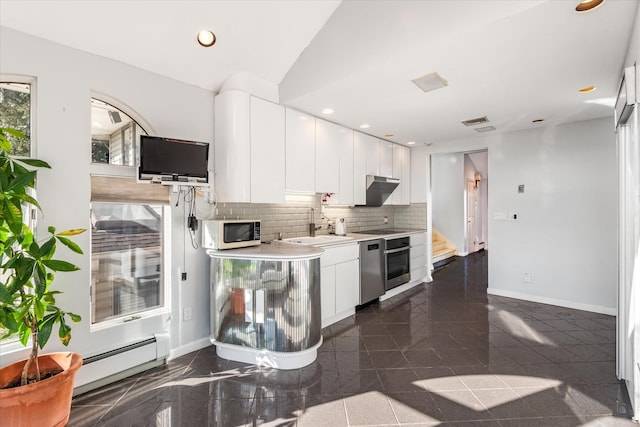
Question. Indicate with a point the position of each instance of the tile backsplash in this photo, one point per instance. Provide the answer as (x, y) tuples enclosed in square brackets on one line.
[(293, 217)]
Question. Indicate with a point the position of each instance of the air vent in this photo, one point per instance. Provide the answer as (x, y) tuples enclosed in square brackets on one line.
[(485, 129), (477, 121), (429, 82)]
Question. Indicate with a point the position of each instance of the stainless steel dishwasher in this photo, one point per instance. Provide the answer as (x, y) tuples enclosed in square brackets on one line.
[(372, 270)]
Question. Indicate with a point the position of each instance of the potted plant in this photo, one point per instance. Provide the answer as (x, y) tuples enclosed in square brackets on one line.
[(27, 301)]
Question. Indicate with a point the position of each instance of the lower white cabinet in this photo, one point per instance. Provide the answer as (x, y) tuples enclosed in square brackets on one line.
[(418, 256), (339, 282)]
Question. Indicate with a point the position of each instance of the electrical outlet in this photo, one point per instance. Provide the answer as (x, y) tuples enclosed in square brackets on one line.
[(386, 220), (186, 313), (527, 278)]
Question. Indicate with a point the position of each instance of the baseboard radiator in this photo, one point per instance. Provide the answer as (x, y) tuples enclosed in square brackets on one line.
[(111, 366)]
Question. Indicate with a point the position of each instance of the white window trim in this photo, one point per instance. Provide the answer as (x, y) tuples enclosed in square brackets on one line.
[(11, 345)]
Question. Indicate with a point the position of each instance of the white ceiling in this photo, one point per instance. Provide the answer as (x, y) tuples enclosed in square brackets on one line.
[(512, 61)]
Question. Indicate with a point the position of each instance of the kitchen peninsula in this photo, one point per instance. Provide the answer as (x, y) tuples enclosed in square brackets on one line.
[(265, 304)]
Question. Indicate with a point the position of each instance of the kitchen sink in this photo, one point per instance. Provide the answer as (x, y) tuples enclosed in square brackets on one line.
[(318, 240)]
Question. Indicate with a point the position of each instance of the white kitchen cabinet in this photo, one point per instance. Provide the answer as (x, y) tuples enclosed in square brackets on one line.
[(232, 146), (372, 155), (327, 157), (345, 195), (386, 158), (418, 256), (327, 293), (339, 282), (402, 170), (360, 168), (267, 152), (300, 152), (347, 286), (249, 149)]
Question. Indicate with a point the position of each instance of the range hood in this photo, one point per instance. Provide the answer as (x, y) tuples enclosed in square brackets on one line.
[(379, 188)]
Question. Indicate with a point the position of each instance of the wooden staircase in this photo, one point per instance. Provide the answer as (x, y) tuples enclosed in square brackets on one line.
[(443, 251)]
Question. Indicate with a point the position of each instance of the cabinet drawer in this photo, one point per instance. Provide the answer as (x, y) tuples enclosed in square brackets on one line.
[(337, 254), (418, 238)]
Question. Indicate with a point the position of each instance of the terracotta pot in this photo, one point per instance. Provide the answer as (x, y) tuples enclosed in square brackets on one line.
[(45, 403)]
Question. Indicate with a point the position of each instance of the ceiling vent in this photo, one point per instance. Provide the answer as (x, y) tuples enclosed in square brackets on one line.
[(477, 121), (429, 82), (485, 129)]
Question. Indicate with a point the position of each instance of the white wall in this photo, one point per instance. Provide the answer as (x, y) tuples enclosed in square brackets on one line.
[(565, 232), (66, 79), (448, 197), (565, 236)]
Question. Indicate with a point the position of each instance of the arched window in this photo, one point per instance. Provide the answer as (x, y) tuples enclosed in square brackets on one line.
[(115, 135)]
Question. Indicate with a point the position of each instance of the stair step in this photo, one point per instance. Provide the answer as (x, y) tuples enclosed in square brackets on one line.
[(442, 255)]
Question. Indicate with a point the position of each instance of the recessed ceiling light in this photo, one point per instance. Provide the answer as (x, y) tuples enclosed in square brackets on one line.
[(587, 89), (206, 38), (389, 135), (537, 121), (364, 126), (411, 143), (587, 5), (327, 111)]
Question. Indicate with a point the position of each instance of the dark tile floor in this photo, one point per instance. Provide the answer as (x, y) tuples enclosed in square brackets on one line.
[(443, 353)]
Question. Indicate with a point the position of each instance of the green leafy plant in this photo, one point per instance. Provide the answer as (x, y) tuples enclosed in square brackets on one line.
[(27, 266)]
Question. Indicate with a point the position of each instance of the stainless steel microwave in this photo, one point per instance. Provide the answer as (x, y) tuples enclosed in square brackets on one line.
[(230, 234)]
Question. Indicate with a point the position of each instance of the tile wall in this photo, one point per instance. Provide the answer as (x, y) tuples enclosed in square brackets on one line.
[(293, 217)]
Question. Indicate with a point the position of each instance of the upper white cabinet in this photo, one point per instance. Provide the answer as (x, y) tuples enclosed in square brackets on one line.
[(372, 151), (402, 170), (267, 152), (360, 146), (386, 159), (249, 149), (335, 165), (232, 147), (300, 151), (328, 145), (345, 196)]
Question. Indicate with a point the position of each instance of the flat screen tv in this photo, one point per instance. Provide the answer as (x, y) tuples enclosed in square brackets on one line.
[(173, 161)]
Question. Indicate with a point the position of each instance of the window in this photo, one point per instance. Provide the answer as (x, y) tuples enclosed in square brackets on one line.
[(15, 112), (114, 135), (126, 259)]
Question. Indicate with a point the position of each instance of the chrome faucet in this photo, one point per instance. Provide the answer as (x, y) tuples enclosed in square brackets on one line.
[(312, 224)]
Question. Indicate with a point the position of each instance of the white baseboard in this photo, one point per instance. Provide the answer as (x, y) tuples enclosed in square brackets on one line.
[(189, 348), (400, 289), (338, 317), (553, 301)]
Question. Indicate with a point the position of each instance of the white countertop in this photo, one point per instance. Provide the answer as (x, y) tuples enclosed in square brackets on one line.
[(293, 250), (277, 250), (351, 238)]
